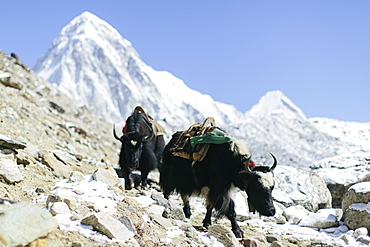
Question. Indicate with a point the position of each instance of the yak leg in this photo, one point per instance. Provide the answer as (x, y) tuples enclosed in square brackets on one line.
[(207, 219), (126, 172), (144, 178), (231, 215), (186, 208)]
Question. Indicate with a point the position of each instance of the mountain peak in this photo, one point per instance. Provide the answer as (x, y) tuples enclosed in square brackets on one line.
[(88, 15), (275, 103), (89, 25)]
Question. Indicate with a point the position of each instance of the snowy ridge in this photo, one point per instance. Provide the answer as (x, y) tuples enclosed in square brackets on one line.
[(353, 132)]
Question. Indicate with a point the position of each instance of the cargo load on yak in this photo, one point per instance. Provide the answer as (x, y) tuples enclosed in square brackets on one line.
[(157, 128), (193, 143)]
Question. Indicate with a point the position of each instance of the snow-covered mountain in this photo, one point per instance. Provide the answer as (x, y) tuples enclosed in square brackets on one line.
[(93, 64), (275, 103)]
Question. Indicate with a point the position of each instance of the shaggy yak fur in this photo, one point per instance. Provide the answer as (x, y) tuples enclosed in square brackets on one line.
[(141, 149), (224, 167)]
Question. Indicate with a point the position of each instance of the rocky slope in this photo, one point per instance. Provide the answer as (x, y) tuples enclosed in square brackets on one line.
[(58, 159)]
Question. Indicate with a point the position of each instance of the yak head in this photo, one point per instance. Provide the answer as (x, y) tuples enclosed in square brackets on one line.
[(258, 184), (139, 132)]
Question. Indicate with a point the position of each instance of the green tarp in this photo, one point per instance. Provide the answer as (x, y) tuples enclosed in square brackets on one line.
[(215, 136)]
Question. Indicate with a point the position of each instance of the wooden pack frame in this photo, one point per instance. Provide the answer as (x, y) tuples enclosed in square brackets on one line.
[(183, 149), (158, 129)]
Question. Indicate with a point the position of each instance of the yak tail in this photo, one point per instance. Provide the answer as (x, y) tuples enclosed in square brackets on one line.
[(223, 205)]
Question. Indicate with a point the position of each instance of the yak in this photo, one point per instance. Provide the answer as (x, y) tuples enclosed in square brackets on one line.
[(224, 167), (141, 148)]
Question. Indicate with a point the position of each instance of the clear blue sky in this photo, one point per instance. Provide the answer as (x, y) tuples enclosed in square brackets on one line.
[(316, 52)]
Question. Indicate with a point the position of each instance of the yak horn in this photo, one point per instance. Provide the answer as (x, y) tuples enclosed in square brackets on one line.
[(275, 163), (114, 133)]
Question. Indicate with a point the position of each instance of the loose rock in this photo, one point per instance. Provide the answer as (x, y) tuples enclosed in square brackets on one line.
[(21, 223), (106, 175), (223, 234), (109, 226), (9, 171)]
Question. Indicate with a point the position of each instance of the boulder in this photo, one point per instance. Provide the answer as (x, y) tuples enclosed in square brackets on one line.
[(357, 193), (356, 206), (59, 169), (9, 171), (106, 175), (53, 198), (223, 234), (21, 223), (294, 186), (294, 214), (322, 219), (357, 215), (109, 226), (66, 158), (76, 176), (128, 223), (59, 208)]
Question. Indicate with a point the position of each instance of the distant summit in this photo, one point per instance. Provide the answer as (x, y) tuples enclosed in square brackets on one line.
[(84, 61), (275, 103)]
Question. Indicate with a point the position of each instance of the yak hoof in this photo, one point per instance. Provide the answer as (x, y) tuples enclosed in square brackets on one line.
[(187, 211), (238, 233), (128, 186), (144, 186), (206, 225)]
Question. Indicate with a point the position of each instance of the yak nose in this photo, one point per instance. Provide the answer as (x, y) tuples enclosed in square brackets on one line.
[(272, 211), (269, 212)]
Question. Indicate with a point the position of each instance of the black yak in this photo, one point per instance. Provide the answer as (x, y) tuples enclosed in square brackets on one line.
[(225, 166), (142, 147)]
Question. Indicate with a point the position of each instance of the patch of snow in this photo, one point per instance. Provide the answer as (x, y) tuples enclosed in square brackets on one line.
[(94, 192), (360, 207), (88, 190), (145, 201), (363, 187)]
